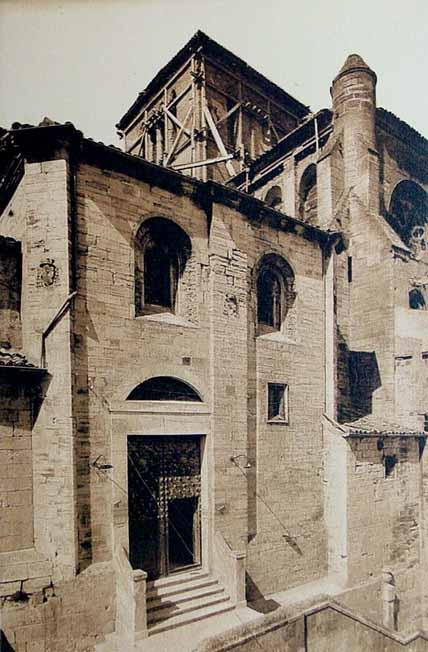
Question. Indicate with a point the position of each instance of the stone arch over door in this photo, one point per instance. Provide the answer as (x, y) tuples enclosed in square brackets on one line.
[(164, 388)]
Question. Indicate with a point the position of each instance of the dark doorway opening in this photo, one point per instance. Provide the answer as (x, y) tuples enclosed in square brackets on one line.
[(183, 521), (164, 487)]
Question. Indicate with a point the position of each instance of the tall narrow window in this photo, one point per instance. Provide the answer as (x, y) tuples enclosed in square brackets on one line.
[(160, 270), (275, 292), (349, 269), (269, 293), (10, 293), (308, 195), (162, 251)]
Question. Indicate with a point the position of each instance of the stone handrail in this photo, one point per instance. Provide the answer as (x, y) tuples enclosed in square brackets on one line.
[(131, 609), (402, 639), (230, 566), (240, 637)]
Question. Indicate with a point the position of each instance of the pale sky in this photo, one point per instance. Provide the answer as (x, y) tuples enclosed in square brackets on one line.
[(86, 61)]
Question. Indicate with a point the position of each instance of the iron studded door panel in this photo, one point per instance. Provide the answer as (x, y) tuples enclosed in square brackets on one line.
[(144, 469), (164, 502)]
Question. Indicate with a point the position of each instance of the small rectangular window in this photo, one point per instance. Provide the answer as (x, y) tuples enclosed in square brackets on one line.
[(426, 422), (277, 403)]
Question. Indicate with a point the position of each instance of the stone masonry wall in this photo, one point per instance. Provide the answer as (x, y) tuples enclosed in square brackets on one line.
[(16, 481), (367, 335), (399, 161), (228, 313), (38, 217), (71, 617), (411, 346), (288, 504), (384, 521)]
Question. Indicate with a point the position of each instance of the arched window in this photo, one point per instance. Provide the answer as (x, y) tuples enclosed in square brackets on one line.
[(162, 251), (274, 198), (408, 215), (275, 292), (163, 388), (308, 195)]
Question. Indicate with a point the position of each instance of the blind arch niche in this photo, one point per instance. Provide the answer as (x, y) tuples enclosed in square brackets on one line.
[(164, 388)]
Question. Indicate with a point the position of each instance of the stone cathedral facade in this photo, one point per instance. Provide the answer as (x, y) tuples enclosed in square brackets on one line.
[(214, 367)]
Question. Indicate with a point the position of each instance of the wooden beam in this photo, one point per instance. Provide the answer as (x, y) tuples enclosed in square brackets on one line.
[(193, 129), (203, 102), (218, 140), (274, 130), (142, 142), (135, 142), (229, 113), (177, 138), (198, 164), (240, 133), (179, 97), (165, 125), (175, 120)]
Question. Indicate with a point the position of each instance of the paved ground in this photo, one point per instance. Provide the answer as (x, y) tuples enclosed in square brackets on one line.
[(187, 638)]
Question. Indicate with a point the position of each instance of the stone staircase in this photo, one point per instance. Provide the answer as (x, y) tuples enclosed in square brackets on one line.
[(184, 598)]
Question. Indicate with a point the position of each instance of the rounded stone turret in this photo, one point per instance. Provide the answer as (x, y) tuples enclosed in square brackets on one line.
[(354, 90), (354, 109)]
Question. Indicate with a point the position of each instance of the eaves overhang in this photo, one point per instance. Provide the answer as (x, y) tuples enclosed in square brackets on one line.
[(66, 141)]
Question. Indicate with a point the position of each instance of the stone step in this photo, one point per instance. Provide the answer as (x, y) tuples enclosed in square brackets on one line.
[(156, 593), (191, 617), (177, 578), (173, 608)]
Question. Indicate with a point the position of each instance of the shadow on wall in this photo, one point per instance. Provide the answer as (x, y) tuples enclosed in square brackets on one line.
[(21, 394), (5, 646), (257, 599), (358, 377)]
